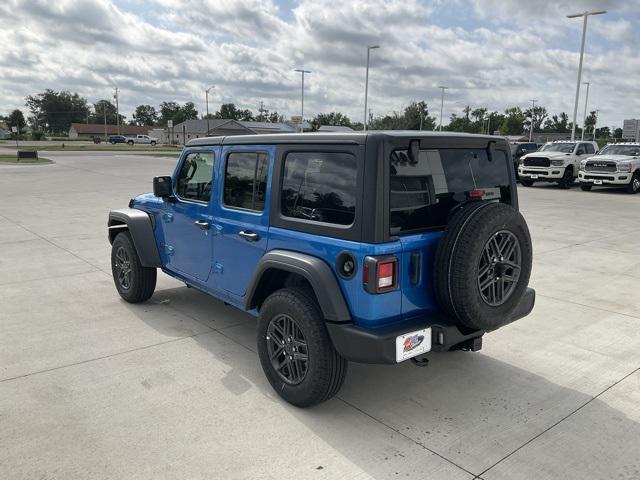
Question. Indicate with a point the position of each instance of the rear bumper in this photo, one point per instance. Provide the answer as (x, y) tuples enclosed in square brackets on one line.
[(369, 345)]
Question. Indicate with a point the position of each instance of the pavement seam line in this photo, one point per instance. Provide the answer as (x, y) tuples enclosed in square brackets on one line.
[(412, 440), (89, 360), (561, 420), (588, 306)]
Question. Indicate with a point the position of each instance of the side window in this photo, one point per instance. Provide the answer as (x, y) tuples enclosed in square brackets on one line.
[(195, 177), (590, 148), (580, 150), (245, 180), (319, 186)]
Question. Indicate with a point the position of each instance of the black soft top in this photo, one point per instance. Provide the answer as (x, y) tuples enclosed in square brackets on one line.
[(348, 138)]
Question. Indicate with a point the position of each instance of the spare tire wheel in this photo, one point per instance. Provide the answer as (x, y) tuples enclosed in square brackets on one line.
[(483, 264)]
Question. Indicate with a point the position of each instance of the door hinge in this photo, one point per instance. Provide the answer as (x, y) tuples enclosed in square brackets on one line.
[(168, 249), (167, 217), (217, 267)]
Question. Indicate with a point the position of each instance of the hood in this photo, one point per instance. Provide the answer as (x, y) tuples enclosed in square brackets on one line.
[(612, 158), (545, 154)]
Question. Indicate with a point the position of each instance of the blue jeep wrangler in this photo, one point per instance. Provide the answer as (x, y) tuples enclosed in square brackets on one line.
[(374, 247)]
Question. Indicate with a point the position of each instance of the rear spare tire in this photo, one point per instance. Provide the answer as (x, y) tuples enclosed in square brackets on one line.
[(483, 264)]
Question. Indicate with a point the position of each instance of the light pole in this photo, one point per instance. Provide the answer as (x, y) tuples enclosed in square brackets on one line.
[(584, 33), (206, 95), (366, 82), (533, 106), (443, 88), (595, 122), (117, 112), (584, 120), (302, 72)]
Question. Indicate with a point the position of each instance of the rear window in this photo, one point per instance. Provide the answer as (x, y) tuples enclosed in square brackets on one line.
[(424, 192)]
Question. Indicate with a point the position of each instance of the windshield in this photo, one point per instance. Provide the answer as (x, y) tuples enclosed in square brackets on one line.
[(558, 147), (629, 150)]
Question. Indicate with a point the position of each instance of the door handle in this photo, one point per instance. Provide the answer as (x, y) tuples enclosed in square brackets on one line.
[(201, 224), (249, 236)]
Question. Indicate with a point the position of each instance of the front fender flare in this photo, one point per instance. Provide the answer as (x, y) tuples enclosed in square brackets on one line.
[(140, 226), (314, 270)]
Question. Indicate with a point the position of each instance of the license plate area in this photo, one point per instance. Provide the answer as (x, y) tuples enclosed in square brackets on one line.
[(534, 176), (412, 344), (597, 182)]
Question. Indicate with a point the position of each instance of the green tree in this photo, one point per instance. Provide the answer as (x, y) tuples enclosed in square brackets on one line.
[(145, 115), (230, 111), (16, 119), (56, 111), (174, 111), (100, 108), (617, 133), (333, 119), (537, 115), (414, 115), (513, 121), (557, 123)]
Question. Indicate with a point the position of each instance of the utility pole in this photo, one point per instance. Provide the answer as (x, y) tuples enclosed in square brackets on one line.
[(206, 94), (443, 88), (584, 34), (594, 124), (584, 120), (302, 72), (104, 110), (533, 107), (366, 82), (117, 112)]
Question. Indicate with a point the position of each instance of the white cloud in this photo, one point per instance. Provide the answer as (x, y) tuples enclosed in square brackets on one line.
[(500, 53)]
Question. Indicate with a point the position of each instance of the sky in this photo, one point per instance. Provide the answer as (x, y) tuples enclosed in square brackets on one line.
[(490, 53)]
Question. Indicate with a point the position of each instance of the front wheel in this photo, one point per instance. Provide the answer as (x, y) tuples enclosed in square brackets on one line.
[(585, 187), (130, 143), (134, 282), (567, 179), (295, 349), (153, 144), (526, 183), (634, 185)]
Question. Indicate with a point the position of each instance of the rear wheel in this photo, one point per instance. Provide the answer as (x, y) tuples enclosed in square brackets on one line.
[(153, 144), (134, 282), (634, 185), (130, 143), (295, 350), (585, 187), (526, 182), (567, 179)]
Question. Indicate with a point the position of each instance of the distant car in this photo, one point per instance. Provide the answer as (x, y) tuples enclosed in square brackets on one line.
[(113, 139), (555, 162), (142, 139), (616, 165), (518, 149)]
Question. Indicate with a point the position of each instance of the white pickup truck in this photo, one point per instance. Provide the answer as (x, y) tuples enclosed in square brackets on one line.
[(142, 139), (617, 165), (555, 162)]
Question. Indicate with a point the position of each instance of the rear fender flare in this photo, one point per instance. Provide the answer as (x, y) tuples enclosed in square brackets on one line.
[(316, 271)]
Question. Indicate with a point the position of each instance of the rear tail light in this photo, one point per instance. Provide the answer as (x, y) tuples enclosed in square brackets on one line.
[(380, 274)]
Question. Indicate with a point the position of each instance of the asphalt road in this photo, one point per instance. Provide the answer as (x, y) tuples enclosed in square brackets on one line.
[(94, 388)]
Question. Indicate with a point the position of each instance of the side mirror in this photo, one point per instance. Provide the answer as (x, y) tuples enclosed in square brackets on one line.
[(414, 151), (162, 187)]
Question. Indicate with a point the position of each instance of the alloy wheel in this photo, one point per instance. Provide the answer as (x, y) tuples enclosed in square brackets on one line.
[(499, 268), (287, 349), (123, 268)]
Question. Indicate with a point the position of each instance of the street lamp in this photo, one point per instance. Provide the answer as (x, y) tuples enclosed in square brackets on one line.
[(595, 122), (584, 33), (533, 106), (442, 103), (366, 83), (586, 99), (302, 72), (206, 95)]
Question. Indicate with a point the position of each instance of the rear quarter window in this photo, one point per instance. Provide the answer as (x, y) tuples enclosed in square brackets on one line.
[(424, 192)]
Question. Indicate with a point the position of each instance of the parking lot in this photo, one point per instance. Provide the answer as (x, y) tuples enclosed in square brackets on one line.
[(92, 387)]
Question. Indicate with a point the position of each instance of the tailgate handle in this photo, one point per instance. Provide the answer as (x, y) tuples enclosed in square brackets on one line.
[(414, 268)]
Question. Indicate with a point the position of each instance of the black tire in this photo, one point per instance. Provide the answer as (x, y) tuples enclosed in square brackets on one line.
[(525, 182), (462, 256), (325, 369), (140, 281), (586, 187), (567, 179), (153, 144), (634, 184), (130, 143)]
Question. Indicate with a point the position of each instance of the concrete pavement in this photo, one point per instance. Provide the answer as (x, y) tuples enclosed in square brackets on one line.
[(92, 387)]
